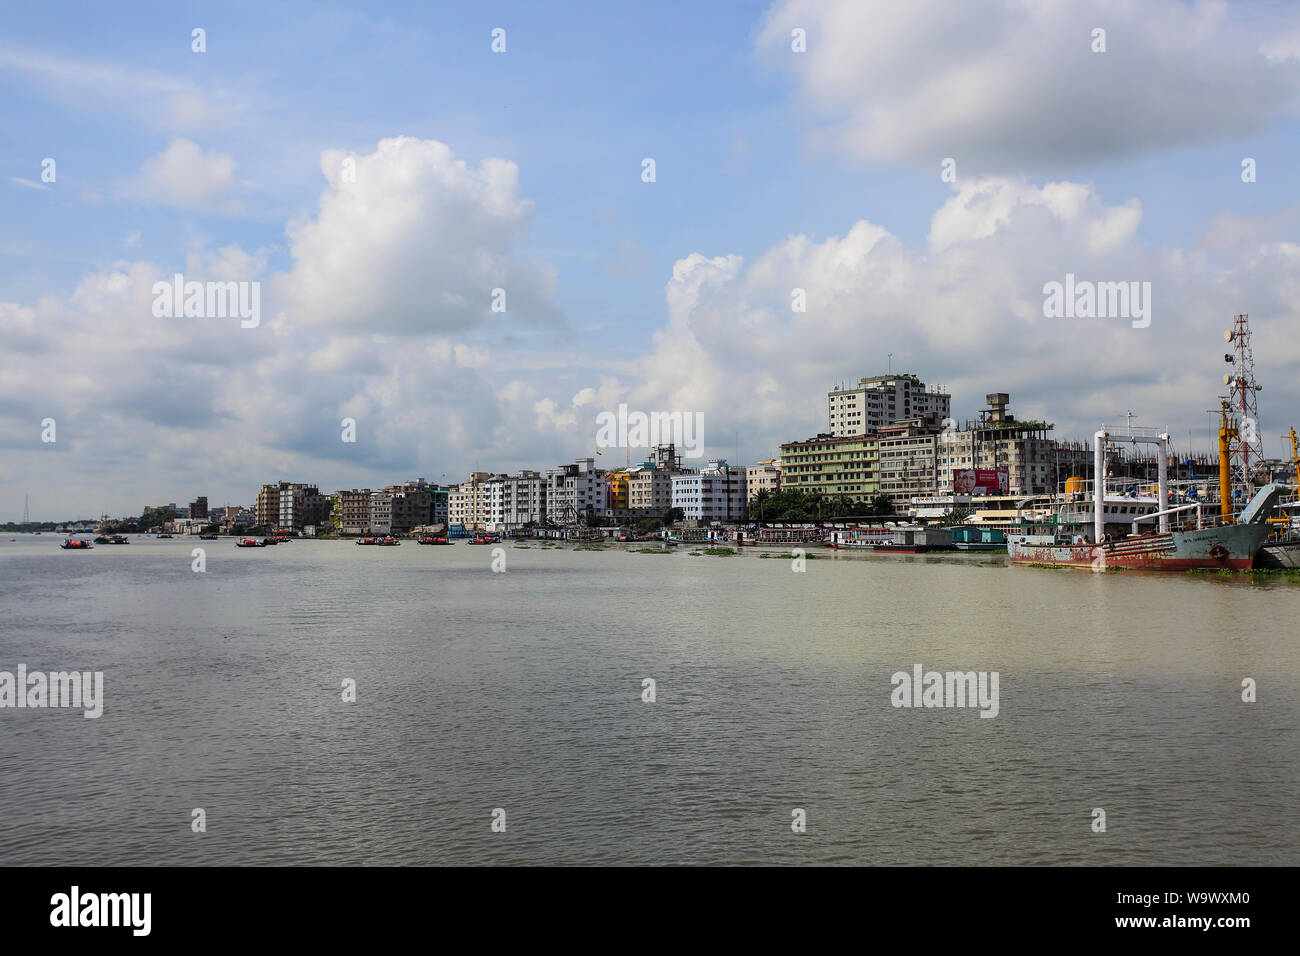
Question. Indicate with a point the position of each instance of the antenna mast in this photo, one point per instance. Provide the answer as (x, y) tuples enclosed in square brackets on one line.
[(1247, 449)]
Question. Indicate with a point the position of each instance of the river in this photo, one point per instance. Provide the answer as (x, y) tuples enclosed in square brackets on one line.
[(522, 691)]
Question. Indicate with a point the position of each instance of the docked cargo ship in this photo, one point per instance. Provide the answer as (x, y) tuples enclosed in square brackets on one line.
[(1213, 544)]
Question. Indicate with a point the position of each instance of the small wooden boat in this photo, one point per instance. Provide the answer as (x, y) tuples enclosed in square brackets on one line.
[(388, 542), (76, 544), (367, 540), (163, 535), (250, 543), (431, 539), (207, 537)]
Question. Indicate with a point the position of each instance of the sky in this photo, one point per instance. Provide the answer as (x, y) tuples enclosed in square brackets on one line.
[(920, 172)]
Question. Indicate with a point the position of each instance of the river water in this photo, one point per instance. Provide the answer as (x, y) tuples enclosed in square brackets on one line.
[(522, 691)]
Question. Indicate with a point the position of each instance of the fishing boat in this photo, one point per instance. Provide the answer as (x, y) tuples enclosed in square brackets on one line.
[(388, 542), (163, 535), (250, 543), (368, 540), (76, 544), (431, 539), (207, 537), (102, 539), (484, 539), (1217, 542)]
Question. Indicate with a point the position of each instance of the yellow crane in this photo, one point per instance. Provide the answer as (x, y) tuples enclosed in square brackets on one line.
[(1227, 433)]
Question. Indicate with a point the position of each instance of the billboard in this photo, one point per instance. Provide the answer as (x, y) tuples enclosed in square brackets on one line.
[(980, 481)]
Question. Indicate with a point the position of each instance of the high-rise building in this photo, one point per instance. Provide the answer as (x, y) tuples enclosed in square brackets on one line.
[(574, 490), (715, 493), (883, 400), (512, 501), (827, 465), (908, 459)]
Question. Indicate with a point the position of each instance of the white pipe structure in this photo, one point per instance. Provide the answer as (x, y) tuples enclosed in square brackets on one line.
[(1099, 482), (1099, 487), (1162, 481), (1164, 516)]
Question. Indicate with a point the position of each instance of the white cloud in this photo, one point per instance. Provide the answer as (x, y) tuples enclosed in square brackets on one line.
[(966, 310), (1010, 85), (410, 239), (184, 175)]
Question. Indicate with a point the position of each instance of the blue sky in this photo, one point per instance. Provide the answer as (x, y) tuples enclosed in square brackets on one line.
[(755, 146)]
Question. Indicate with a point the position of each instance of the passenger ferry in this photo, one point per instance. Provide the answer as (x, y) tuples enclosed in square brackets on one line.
[(860, 539), (689, 536)]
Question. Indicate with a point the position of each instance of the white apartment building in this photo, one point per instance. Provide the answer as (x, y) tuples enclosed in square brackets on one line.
[(765, 476), (882, 400), (572, 490), (512, 501), (715, 493)]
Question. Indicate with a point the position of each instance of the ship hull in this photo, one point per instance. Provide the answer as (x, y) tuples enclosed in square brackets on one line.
[(1231, 547), (1281, 555)]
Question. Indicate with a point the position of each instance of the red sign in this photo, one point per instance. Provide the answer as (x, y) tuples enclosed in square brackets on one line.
[(980, 481)]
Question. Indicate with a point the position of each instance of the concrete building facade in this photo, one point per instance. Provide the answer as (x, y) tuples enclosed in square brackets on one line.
[(882, 400), (715, 493), (827, 465)]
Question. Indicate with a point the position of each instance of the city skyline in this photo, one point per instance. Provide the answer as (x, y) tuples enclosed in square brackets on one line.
[(823, 214)]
